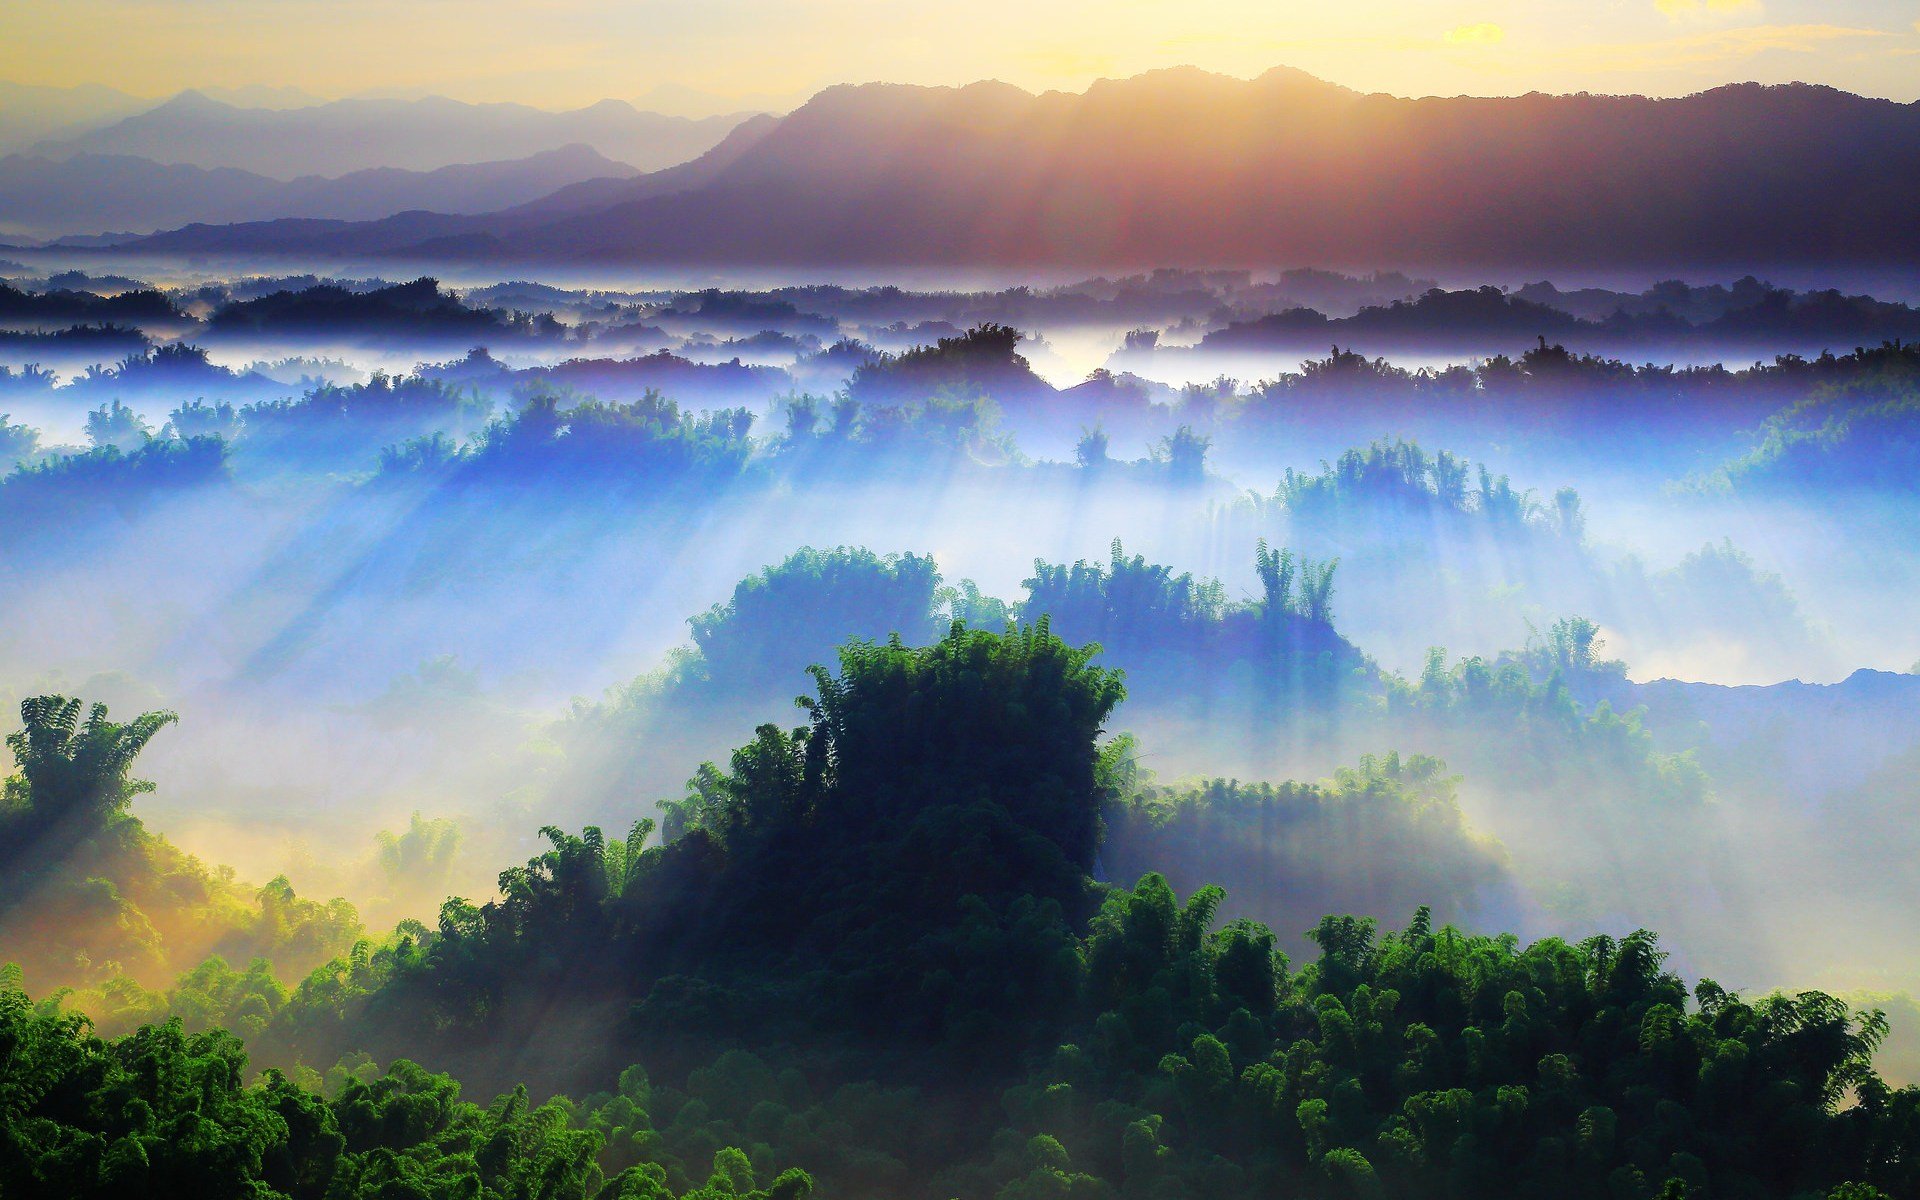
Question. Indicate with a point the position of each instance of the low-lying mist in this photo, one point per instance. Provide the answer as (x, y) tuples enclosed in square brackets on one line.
[(1528, 660)]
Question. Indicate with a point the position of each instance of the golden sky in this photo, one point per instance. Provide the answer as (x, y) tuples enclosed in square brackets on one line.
[(760, 52)]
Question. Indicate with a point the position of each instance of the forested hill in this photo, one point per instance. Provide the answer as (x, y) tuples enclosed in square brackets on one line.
[(871, 946), (1184, 166)]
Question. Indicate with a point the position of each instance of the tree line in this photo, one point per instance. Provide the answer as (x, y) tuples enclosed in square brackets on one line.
[(899, 894)]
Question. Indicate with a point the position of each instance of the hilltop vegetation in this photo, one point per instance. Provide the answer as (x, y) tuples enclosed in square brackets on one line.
[(1203, 788), (89, 896), (1854, 436), (892, 901)]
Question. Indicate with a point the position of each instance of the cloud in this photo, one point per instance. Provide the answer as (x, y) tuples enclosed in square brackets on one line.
[(1064, 61), (1720, 46), (1483, 34), (1680, 9)]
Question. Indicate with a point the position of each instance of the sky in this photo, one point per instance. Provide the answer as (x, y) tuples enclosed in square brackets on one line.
[(774, 53)]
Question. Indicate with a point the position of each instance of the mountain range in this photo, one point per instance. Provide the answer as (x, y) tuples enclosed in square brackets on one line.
[(92, 193), (342, 136), (1182, 166), (30, 112)]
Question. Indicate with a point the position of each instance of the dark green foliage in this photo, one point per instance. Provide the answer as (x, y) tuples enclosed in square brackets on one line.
[(1437, 1063), (200, 419), (171, 366), (1253, 688), (890, 908), (1518, 717), (1166, 630), (1377, 839), (859, 1135), (334, 426), (1184, 455), (746, 654), (895, 870), (117, 426), (109, 474), (955, 424), (1278, 572), (1571, 649), (111, 338), (1371, 495), (417, 309), (26, 379), (1549, 381), (74, 778), (89, 897), (1863, 433), (17, 442), (1161, 627), (429, 455), (650, 443), (797, 612), (985, 359), (162, 1113), (1090, 452), (1128, 605), (1398, 473), (59, 304)]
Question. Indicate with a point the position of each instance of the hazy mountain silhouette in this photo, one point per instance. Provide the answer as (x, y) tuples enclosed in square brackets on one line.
[(681, 100), (1182, 166), (595, 194), (94, 192), (353, 135), (457, 235), (30, 112), (262, 95)]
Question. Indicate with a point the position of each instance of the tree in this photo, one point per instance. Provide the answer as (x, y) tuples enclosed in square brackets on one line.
[(1276, 569), (1316, 591), (165, 1113), (17, 442), (1091, 450), (117, 426), (73, 779), (1184, 453)]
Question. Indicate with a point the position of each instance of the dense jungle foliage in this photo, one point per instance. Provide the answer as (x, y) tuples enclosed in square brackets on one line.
[(874, 948), (1164, 869)]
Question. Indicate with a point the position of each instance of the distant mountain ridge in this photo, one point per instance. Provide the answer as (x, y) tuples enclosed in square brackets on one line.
[(601, 193), (1181, 166), (1779, 729), (342, 136), (93, 193), (30, 113)]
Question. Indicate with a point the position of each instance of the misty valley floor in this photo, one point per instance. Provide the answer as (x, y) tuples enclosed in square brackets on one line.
[(1249, 726)]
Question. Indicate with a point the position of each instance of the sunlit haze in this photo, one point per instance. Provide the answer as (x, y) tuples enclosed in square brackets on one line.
[(771, 54), (758, 600)]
